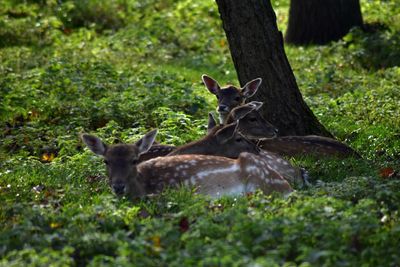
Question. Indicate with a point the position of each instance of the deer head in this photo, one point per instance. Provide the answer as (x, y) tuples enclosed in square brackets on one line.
[(251, 124), (230, 96), (121, 161), (222, 140)]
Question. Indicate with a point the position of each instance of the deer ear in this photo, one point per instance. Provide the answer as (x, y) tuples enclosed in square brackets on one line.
[(251, 87), (240, 112), (211, 122), (94, 144), (146, 141), (227, 132), (211, 84)]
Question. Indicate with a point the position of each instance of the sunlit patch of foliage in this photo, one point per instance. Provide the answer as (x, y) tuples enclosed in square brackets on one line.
[(120, 68)]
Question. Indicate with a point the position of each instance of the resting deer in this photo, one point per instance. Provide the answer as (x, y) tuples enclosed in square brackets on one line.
[(211, 175), (230, 97), (250, 125), (224, 140)]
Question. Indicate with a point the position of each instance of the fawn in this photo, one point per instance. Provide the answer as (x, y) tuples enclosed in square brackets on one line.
[(249, 123), (231, 97), (211, 175)]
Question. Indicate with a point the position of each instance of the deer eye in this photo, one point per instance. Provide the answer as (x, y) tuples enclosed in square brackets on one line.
[(253, 119), (238, 139), (135, 161)]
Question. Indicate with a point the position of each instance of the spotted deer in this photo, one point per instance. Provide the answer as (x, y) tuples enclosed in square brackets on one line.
[(227, 141), (230, 96), (211, 175)]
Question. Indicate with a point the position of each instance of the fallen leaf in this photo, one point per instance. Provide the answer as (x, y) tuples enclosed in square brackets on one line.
[(48, 157), (387, 172), (184, 224), (156, 243), (55, 225)]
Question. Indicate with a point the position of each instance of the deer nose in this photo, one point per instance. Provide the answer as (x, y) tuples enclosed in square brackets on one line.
[(223, 108), (119, 189)]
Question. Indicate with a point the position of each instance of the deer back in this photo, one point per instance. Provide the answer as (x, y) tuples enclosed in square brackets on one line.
[(292, 174), (308, 145), (261, 175), (212, 175), (155, 151), (223, 140)]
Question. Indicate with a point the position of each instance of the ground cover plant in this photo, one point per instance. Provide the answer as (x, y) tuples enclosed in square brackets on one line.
[(119, 69)]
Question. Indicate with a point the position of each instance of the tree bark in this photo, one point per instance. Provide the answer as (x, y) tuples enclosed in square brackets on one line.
[(257, 50), (321, 21)]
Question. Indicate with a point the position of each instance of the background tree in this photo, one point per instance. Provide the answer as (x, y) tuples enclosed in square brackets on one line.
[(321, 21), (257, 50)]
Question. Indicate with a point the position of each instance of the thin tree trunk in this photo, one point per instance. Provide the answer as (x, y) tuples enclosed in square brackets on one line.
[(321, 21), (256, 47)]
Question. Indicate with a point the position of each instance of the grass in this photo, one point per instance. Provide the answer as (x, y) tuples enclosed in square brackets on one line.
[(125, 69)]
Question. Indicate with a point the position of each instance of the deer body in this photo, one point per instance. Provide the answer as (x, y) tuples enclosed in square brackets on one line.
[(285, 146), (308, 145), (211, 175), (223, 141)]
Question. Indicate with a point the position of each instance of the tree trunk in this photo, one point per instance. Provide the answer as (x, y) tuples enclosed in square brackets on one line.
[(321, 21), (256, 47)]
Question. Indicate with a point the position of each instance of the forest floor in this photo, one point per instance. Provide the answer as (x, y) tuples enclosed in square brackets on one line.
[(120, 68)]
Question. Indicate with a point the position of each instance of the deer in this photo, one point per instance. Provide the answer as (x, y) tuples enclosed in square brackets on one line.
[(210, 175), (252, 125), (227, 141), (223, 140), (230, 97)]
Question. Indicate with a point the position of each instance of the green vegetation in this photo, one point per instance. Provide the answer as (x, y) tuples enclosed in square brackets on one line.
[(119, 68)]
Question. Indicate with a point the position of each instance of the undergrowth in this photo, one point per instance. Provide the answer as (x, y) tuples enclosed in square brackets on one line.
[(121, 68)]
